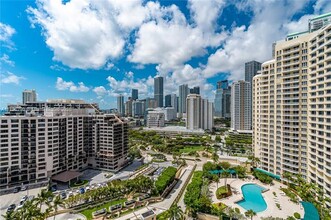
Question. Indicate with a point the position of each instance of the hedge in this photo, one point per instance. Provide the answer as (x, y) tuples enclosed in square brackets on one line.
[(165, 179)]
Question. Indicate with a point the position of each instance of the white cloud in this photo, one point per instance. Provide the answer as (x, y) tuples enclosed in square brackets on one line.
[(271, 22), (169, 40), (124, 86), (100, 90), (69, 85), (6, 96), (10, 78), (5, 59), (82, 34), (6, 32)]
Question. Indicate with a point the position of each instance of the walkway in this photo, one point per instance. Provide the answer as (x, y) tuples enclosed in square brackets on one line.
[(166, 203)]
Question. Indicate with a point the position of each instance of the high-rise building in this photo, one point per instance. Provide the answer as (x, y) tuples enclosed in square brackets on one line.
[(251, 69), (195, 90), (222, 100), (138, 108), (174, 102), (134, 94), (183, 92), (29, 96), (120, 104), (241, 111), (158, 91), (291, 107), (167, 101), (128, 107), (200, 113), (51, 137)]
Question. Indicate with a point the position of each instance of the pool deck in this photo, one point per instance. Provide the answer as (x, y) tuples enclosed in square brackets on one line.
[(288, 208)]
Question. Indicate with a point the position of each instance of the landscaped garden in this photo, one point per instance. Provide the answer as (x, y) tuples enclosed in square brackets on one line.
[(88, 212), (79, 183)]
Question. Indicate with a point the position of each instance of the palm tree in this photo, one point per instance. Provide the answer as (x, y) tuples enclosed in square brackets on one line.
[(43, 197), (215, 157), (56, 203), (216, 178), (13, 215), (250, 213), (175, 213)]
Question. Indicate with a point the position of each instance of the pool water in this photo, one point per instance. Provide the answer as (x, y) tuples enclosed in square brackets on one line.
[(311, 212), (253, 198)]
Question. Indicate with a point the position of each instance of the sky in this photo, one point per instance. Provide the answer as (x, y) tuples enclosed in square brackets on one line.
[(96, 49)]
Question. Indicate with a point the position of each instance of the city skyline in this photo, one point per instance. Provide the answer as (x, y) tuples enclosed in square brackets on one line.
[(30, 55)]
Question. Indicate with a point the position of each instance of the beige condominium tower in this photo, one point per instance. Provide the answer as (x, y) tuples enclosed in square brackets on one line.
[(292, 106)]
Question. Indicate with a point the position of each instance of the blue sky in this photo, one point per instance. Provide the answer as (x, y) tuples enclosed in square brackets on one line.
[(93, 50)]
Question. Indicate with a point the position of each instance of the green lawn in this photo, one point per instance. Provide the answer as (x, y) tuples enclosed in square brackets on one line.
[(88, 212), (191, 149)]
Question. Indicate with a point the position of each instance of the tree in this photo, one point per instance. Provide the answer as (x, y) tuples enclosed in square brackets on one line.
[(175, 213), (250, 213), (254, 160), (215, 157), (56, 203), (216, 179), (43, 196)]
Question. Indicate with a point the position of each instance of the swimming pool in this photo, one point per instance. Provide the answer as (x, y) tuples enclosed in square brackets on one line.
[(253, 198)]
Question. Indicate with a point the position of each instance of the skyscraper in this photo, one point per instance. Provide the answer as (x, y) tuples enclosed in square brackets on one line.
[(241, 112), (167, 101), (174, 102), (195, 90), (183, 92), (200, 113), (29, 96), (222, 100), (138, 108), (134, 94), (158, 91), (251, 69), (120, 104), (291, 107)]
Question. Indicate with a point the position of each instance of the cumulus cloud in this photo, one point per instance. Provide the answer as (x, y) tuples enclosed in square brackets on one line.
[(100, 90), (5, 59), (69, 85), (82, 34), (10, 78), (169, 40), (6, 32), (271, 22), (124, 86)]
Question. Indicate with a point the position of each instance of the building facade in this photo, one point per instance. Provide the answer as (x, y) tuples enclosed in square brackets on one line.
[(167, 101), (183, 92), (120, 105), (40, 140), (195, 90), (158, 91), (222, 101), (155, 119), (134, 94), (200, 113), (241, 111), (29, 96), (292, 107)]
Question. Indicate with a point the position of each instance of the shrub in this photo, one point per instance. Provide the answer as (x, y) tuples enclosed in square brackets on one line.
[(297, 215), (223, 192), (237, 210), (165, 179), (278, 205), (264, 178)]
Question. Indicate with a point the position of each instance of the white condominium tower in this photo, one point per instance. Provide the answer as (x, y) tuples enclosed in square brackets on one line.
[(29, 96), (241, 110), (292, 106), (200, 113), (41, 139)]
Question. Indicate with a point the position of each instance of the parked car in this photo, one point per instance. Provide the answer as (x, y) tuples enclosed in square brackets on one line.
[(53, 189), (87, 188), (70, 194), (63, 195), (17, 189), (24, 188), (11, 208), (24, 198), (50, 199), (20, 205), (81, 190)]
